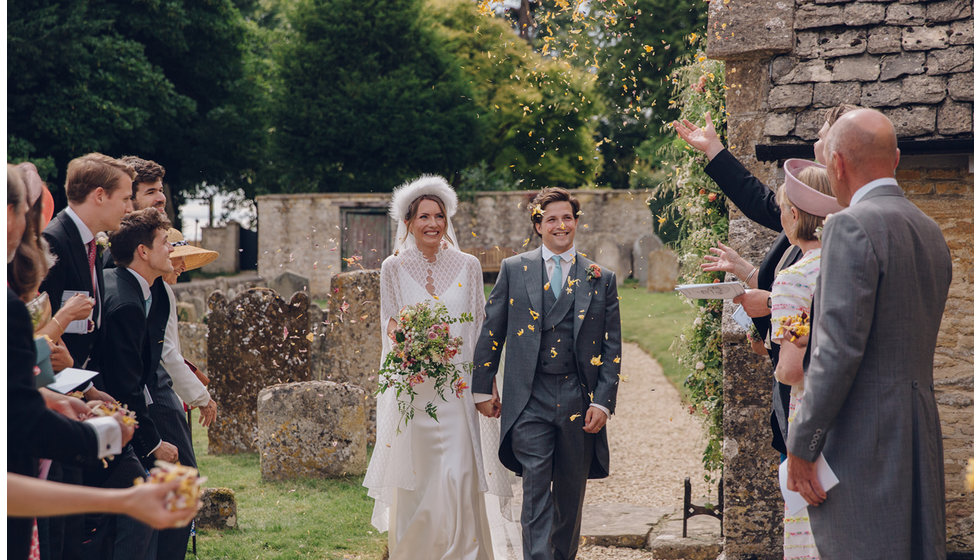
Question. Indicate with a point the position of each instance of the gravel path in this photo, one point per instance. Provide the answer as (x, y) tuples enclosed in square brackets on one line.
[(654, 443)]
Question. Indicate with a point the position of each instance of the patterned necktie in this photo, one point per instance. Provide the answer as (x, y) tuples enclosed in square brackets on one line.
[(91, 260), (556, 277)]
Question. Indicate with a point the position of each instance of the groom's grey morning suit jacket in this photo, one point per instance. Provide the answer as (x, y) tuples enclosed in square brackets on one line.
[(514, 314), (869, 405)]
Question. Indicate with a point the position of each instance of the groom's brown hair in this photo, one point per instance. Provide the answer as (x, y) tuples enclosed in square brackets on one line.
[(546, 197)]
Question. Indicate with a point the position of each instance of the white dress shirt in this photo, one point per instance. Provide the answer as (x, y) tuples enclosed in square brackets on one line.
[(187, 386), (108, 434)]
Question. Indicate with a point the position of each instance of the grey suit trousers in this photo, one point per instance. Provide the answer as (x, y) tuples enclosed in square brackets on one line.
[(555, 454)]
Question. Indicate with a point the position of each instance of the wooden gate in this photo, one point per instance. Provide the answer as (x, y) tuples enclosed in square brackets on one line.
[(365, 237)]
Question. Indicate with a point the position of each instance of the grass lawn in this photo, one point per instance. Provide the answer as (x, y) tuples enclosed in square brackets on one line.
[(321, 519), (653, 320)]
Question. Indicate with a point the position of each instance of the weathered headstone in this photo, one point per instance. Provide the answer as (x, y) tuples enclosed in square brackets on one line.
[(314, 429), (608, 251), (353, 335), (642, 247), (288, 283), (194, 343), (663, 270), (186, 312), (254, 340), (219, 510)]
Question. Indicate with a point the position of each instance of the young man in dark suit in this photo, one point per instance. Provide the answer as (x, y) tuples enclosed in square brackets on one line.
[(99, 195)]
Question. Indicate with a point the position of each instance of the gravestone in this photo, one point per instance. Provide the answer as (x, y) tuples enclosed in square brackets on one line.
[(194, 343), (313, 429), (353, 335), (605, 249), (219, 510), (288, 283), (254, 340), (663, 270), (186, 312), (642, 247)]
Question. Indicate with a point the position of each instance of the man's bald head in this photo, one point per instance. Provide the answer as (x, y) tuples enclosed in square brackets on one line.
[(866, 148)]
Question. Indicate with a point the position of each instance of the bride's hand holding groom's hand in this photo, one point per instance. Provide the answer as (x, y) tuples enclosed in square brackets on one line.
[(490, 408)]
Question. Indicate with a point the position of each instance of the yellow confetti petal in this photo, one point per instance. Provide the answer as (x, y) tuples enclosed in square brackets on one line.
[(574, 416), (596, 360), (547, 286), (512, 301), (554, 353), (616, 360), (520, 332), (530, 328), (309, 337), (534, 314), (526, 241)]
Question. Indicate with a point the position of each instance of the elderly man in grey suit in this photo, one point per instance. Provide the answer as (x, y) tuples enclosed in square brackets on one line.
[(558, 312), (869, 404)]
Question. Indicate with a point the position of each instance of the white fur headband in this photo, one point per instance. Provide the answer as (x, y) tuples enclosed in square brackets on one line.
[(403, 196)]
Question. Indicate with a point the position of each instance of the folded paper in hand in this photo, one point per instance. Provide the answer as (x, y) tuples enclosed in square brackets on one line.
[(721, 290), (794, 501), (70, 378)]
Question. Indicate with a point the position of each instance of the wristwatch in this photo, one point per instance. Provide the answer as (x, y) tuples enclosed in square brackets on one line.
[(769, 303)]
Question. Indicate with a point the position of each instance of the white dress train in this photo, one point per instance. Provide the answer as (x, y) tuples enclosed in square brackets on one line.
[(435, 487)]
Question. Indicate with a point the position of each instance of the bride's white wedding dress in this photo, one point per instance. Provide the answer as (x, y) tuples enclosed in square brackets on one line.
[(428, 478)]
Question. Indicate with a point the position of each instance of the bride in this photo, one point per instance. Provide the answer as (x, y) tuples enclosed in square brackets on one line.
[(428, 478)]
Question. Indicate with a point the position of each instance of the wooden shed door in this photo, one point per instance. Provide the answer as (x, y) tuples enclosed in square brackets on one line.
[(366, 234)]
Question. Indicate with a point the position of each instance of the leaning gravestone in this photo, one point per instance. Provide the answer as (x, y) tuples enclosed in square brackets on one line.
[(288, 283), (219, 510), (353, 335), (663, 271), (642, 247), (314, 429), (194, 343), (254, 340)]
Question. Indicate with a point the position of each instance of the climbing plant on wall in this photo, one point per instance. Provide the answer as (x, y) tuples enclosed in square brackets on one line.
[(692, 203)]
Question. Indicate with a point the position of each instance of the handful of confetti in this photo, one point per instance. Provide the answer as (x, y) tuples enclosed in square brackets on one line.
[(189, 484), (794, 326), (108, 409)]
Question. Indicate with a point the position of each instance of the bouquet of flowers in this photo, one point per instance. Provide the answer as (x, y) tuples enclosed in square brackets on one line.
[(423, 350)]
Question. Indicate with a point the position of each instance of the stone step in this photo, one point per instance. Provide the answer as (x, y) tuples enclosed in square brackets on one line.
[(656, 529), (703, 541)]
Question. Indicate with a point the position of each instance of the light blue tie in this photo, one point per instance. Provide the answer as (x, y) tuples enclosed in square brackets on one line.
[(556, 277), (146, 305)]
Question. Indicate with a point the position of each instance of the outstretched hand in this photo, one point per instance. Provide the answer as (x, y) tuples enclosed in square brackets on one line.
[(725, 259), (702, 139)]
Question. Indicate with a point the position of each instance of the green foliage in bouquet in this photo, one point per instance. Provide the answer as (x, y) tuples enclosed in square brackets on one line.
[(423, 350), (692, 203)]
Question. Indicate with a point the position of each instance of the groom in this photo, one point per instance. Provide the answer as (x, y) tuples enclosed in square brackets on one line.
[(559, 314)]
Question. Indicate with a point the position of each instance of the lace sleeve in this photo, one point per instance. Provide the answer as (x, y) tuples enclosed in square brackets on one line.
[(389, 291), (474, 277)]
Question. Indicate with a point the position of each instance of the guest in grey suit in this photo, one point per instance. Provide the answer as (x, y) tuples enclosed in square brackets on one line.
[(869, 404), (558, 312)]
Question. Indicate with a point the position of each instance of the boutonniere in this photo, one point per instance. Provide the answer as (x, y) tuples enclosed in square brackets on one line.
[(101, 242), (593, 272)]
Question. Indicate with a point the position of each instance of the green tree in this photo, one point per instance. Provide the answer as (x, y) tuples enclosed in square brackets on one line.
[(367, 97), (163, 79), (538, 115)]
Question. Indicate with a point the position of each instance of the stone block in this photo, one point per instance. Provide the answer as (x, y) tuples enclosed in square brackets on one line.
[(288, 283), (955, 118), (905, 14), (642, 248), (352, 336), (789, 96), (948, 10), (219, 509), (186, 312), (664, 269), (254, 340), (748, 85), (913, 120), (780, 124), (758, 26), (809, 16), (810, 71), (863, 13), (312, 429), (893, 66), (194, 343), (924, 38), (226, 241), (832, 94), (960, 87), (809, 123), (884, 40), (951, 60), (856, 69), (881, 94), (610, 251), (842, 43), (923, 89), (961, 32)]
